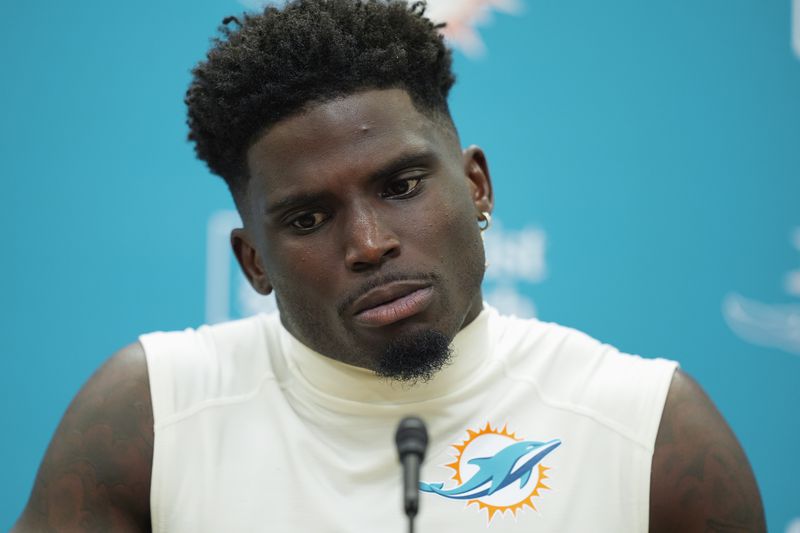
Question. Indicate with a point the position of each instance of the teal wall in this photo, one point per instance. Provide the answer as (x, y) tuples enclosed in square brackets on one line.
[(645, 155)]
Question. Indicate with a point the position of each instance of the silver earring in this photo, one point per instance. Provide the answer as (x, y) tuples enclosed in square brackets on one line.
[(484, 221)]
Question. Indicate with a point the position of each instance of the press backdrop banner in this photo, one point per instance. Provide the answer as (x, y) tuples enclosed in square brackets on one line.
[(645, 158)]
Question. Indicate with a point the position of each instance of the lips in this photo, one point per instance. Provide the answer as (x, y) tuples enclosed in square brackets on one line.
[(392, 303)]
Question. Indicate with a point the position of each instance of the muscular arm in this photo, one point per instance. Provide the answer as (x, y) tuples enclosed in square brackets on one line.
[(95, 475), (701, 480)]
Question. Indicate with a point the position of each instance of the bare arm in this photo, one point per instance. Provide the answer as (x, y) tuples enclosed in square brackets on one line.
[(95, 475), (701, 480)]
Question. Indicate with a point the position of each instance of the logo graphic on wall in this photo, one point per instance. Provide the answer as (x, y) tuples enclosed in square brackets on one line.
[(517, 260), (772, 325), (462, 18), (497, 471), (796, 27)]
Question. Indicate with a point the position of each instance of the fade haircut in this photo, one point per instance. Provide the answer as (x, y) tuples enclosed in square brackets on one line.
[(269, 66)]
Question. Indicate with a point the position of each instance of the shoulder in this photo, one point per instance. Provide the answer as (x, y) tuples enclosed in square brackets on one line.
[(571, 370), (96, 472), (192, 367), (567, 353), (701, 479)]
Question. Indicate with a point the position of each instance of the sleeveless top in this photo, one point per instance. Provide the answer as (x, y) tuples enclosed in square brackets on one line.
[(532, 427)]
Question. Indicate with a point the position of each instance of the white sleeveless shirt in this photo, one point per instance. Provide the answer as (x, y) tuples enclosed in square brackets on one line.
[(533, 427)]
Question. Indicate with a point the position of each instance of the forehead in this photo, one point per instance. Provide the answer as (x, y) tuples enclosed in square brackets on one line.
[(348, 136)]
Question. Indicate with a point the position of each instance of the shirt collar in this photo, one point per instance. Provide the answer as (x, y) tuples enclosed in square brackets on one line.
[(333, 378)]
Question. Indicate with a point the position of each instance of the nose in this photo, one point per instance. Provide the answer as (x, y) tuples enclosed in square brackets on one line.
[(369, 240)]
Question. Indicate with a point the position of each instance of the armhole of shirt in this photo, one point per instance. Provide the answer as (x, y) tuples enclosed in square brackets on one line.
[(161, 350), (659, 398), (667, 369)]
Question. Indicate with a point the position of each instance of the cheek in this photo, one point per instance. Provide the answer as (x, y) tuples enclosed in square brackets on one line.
[(296, 271), (450, 230), (304, 292)]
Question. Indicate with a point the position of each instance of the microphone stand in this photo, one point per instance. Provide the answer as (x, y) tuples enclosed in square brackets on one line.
[(412, 440)]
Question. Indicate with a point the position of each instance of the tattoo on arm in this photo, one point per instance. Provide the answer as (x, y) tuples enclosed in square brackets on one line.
[(96, 473), (701, 480)]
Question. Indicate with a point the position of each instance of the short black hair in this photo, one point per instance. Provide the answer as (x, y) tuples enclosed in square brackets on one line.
[(271, 65)]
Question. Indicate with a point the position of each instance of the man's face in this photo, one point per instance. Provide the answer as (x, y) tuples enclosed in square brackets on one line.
[(361, 213)]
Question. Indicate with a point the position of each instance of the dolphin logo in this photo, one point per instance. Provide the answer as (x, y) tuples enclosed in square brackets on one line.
[(515, 461)]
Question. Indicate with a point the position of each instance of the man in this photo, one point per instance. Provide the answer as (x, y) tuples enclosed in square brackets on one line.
[(328, 119)]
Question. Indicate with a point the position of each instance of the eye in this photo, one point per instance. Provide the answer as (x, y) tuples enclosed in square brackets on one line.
[(401, 188), (308, 221)]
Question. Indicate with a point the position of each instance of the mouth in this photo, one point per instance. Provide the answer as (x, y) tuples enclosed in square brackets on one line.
[(392, 303)]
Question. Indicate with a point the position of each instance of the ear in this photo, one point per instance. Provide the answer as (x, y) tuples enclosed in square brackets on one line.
[(477, 171), (250, 261)]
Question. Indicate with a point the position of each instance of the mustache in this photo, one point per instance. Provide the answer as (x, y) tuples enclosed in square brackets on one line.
[(382, 279)]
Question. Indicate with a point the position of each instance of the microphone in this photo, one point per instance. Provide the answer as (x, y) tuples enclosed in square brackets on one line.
[(412, 439)]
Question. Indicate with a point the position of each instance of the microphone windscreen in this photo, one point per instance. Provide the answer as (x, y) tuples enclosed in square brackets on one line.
[(411, 437)]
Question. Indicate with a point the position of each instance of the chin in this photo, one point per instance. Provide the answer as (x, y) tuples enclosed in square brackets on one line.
[(415, 356)]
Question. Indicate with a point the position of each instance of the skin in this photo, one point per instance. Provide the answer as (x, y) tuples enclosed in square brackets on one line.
[(355, 227), (95, 475), (701, 479), (385, 193)]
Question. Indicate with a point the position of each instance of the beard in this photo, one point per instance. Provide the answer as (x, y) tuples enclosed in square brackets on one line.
[(414, 357)]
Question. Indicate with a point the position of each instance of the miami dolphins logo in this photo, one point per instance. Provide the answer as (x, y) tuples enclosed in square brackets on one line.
[(497, 471)]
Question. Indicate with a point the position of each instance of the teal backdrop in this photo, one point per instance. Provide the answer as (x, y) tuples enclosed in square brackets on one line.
[(646, 163)]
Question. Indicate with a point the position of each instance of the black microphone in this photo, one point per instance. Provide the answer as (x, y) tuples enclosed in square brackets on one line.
[(411, 439)]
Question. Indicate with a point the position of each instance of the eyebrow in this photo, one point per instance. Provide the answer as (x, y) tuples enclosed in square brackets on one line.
[(392, 167)]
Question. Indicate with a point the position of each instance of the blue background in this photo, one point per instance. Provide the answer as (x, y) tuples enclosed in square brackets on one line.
[(656, 144)]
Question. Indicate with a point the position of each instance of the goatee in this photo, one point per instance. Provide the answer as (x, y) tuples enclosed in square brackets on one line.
[(414, 357)]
